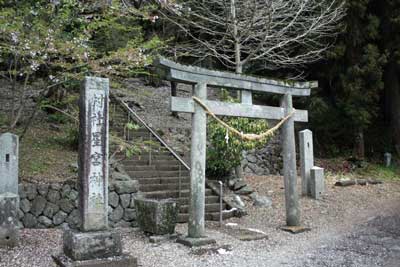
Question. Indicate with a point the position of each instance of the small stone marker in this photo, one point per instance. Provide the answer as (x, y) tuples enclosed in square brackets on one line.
[(306, 160), (9, 199), (158, 217), (317, 182), (94, 245), (9, 163), (388, 159), (9, 234)]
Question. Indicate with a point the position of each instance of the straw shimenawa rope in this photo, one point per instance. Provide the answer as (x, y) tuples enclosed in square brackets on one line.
[(249, 136)]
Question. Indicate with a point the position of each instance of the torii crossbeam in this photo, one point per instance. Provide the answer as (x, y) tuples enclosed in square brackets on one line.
[(201, 78)]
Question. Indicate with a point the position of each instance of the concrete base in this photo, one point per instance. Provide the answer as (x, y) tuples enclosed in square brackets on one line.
[(81, 246), (295, 229), (196, 242), (119, 261)]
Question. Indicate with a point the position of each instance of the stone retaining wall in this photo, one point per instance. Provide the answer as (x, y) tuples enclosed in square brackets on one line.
[(264, 161), (56, 204)]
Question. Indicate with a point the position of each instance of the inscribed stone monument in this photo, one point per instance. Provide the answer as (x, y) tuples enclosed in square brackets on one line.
[(306, 160), (94, 244), (9, 163)]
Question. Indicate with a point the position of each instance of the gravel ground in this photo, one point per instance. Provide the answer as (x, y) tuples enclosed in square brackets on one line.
[(352, 226)]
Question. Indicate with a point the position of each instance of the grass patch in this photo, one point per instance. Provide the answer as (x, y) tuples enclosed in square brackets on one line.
[(380, 171)]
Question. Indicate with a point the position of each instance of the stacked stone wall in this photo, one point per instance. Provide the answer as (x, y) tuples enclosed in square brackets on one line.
[(56, 204)]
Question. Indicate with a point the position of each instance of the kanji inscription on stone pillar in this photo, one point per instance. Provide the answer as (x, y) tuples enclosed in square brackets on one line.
[(93, 154)]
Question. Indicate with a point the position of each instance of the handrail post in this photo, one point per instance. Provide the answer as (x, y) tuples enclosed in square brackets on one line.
[(180, 185), (221, 192), (150, 149)]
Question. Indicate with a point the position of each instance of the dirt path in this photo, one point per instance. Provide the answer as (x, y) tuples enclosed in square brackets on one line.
[(351, 227)]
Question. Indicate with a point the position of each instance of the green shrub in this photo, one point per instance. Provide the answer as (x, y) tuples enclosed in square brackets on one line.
[(224, 150)]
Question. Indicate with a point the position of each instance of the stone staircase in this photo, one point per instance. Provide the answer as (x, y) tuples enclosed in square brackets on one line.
[(159, 173)]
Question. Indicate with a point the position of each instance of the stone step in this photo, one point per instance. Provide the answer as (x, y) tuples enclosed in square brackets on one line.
[(155, 157), (155, 173), (209, 200), (212, 207), (209, 216), (157, 152), (172, 194), (163, 187), (154, 167), (131, 162), (164, 180)]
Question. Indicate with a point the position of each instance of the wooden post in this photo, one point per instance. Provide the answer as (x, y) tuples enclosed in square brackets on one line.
[(198, 166), (289, 165)]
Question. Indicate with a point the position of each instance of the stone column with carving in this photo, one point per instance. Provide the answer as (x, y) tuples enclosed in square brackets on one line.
[(94, 244)]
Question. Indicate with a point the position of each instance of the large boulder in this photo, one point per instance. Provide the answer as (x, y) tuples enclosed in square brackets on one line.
[(158, 217)]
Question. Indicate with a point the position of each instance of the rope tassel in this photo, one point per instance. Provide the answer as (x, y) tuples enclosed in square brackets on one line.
[(248, 136)]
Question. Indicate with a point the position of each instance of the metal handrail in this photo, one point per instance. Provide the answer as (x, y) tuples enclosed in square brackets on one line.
[(170, 149)]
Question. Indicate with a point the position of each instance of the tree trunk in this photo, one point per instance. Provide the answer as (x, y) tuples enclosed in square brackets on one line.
[(392, 88)]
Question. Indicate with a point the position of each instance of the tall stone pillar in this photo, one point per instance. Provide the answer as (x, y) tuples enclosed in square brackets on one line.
[(289, 165), (94, 244), (196, 227)]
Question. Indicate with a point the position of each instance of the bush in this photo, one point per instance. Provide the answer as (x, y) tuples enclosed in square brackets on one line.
[(224, 150)]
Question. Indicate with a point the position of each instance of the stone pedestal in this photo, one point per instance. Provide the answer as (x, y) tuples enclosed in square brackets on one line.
[(317, 182), (94, 249), (9, 234), (157, 217), (94, 245)]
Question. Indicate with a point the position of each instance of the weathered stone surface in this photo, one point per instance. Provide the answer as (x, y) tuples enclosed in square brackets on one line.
[(317, 182), (117, 214), (20, 215), (247, 190), (21, 191), (122, 224), (59, 217), (239, 184), (9, 163), (46, 222), (157, 216), (125, 200), (66, 189), (56, 186), (306, 160), (118, 176), (73, 195), (261, 201), (93, 153), (118, 261), (43, 189), (73, 219), (126, 187), (196, 242), (133, 197), (29, 221), (25, 205), (38, 205), (50, 210), (30, 190), (92, 245), (129, 215), (53, 196), (8, 219), (66, 205), (113, 199)]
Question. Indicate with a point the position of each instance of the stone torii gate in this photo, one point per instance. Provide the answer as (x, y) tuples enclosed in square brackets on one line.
[(200, 78)]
